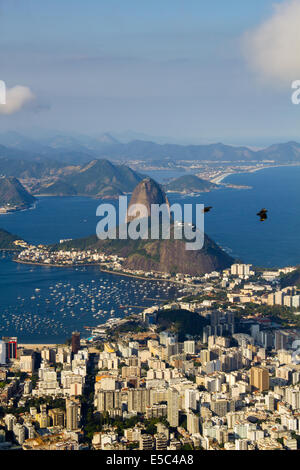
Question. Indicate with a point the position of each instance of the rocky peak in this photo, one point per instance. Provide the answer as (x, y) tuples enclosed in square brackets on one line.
[(147, 192)]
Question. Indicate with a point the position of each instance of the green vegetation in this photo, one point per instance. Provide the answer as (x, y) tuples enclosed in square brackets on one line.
[(36, 402), (285, 316), (190, 183), (297, 437), (151, 424), (19, 375), (130, 326), (182, 322), (34, 380), (156, 255), (160, 255), (99, 178), (13, 163), (187, 447), (94, 422), (12, 192), (291, 279), (6, 240)]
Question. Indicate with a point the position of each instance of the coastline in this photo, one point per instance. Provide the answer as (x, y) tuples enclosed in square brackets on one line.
[(221, 178), (135, 276), (107, 271), (55, 265), (100, 198), (38, 345), (21, 209), (10, 250)]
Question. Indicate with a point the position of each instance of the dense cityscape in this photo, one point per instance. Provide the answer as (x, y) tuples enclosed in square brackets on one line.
[(149, 231), (214, 371)]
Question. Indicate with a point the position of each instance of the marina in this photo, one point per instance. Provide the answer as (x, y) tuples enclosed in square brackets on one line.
[(46, 304)]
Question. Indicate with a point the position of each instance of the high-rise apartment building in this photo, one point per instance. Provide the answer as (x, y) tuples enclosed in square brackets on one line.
[(189, 347), (173, 407), (281, 339), (72, 415), (75, 343), (192, 423), (190, 399), (241, 270), (138, 400), (259, 378), (108, 400), (27, 361), (220, 407), (2, 353), (11, 344)]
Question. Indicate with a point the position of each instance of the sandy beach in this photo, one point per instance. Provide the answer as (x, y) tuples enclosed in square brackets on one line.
[(221, 178)]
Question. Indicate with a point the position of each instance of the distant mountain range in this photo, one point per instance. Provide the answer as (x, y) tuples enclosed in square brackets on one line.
[(82, 149), (69, 166), (99, 178), (26, 169), (13, 193), (283, 153)]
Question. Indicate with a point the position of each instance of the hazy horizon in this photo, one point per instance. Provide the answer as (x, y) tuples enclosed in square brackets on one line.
[(194, 72)]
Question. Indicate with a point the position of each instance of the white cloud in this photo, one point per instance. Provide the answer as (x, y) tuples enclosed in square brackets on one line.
[(273, 49), (16, 98)]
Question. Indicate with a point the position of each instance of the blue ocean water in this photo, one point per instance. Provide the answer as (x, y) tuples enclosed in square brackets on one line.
[(233, 222), (46, 304)]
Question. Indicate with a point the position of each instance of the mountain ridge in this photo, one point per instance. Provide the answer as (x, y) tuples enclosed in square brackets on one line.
[(7, 239), (160, 255), (13, 193), (81, 149), (98, 178), (189, 184)]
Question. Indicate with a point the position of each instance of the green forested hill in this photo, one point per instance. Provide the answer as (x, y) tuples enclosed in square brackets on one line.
[(12, 192), (182, 322), (190, 184), (168, 256), (100, 178), (6, 240), (291, 279)]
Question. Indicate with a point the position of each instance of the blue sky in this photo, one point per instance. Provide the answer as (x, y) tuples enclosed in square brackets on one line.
[(174, 68)]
